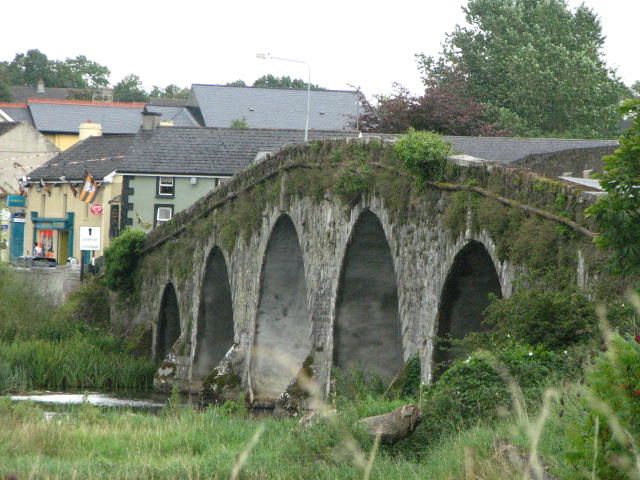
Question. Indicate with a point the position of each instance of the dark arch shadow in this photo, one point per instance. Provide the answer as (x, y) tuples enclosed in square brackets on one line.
[(465, 296), (283, 330), (367, 326), (168, 322), (215, 316)]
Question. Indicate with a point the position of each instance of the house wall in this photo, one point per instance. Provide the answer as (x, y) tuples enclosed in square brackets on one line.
[(66, 222), (62, 140), (140, 194), (22, 149)]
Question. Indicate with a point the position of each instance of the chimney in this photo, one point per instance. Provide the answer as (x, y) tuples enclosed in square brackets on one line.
[(150, 120), (40, 86), (89, 129)]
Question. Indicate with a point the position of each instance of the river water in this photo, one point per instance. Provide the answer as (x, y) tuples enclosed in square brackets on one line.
[(150, 401)]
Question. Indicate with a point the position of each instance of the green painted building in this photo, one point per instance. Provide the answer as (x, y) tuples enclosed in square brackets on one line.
[(168, 168)]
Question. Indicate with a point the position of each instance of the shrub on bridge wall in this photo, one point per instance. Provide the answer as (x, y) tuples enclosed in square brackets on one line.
[(424, 155)]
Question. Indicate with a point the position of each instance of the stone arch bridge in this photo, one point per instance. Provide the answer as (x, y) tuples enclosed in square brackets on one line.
[(329, 253)]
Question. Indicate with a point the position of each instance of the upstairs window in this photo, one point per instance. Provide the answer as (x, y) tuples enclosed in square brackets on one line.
[(166, 187)]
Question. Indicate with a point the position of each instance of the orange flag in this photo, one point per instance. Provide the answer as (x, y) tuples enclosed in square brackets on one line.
[(89, 189)]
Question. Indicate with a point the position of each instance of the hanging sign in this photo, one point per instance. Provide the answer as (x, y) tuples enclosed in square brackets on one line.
[(96, 208)]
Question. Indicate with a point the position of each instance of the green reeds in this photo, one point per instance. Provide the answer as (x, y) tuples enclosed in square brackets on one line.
[(74, 363)]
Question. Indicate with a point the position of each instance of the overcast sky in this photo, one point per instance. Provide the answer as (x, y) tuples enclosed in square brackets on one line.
[(346, 42)]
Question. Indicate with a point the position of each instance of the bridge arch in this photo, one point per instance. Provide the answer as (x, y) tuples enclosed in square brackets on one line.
[(215, 329), (367, 330), (470, 280), (168, 326), (282, 337)]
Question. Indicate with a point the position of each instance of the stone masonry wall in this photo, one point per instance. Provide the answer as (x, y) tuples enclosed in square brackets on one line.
[(422, 248)]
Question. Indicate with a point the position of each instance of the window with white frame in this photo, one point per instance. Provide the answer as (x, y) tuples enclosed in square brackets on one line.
[(166, 187), (163, 214)]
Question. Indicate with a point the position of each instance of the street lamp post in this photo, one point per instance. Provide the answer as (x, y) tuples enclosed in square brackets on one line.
[(268, 56)]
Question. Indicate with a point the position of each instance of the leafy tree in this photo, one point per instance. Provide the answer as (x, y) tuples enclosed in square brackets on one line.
[(444, 109), (79, 73), (635, 89), (5, 93), (170, 91), (85, 73), (236, 83), (536, 59), (271, 81), (130, 89), (618, 213)]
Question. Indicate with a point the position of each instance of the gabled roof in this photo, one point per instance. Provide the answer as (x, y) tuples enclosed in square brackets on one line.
[(508, 150), (21, 93), (97, 155), (180, 116), (207, 151), (7, 127), (56, 116), (65, 116), (19, 112), (276, 108)]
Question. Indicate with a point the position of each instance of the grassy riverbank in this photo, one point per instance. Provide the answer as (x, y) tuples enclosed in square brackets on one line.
[(73, 346), (87, 443)]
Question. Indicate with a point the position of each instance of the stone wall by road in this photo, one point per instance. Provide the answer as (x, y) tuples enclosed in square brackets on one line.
[(55, 284)]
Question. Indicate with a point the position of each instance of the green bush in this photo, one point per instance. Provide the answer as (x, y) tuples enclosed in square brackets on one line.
[(121, 259), (613, 403), (554, 318), (473, 390), (618, 213), (424, 155)]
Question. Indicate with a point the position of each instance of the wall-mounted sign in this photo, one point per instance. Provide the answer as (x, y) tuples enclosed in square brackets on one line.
[(96, 209), (15, 201), (90, 238)]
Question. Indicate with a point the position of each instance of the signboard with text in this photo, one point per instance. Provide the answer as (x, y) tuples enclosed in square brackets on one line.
[(90, 238)]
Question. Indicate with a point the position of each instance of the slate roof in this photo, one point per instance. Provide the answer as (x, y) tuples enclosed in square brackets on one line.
[(66, 116), (21, 93), (168, 102), (207, 151), (507, 150), (19, 112), (98, 155), (180, 116), (7, 127), (276, 108)]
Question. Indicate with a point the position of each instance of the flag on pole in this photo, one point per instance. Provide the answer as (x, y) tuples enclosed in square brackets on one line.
[(89, 189)]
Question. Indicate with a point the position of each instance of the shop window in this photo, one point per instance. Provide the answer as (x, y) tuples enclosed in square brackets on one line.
[(166, 187), (163, 213)]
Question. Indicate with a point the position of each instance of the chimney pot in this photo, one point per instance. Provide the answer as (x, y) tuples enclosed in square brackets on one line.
[(150, 120), (40, 86), (89, 129)]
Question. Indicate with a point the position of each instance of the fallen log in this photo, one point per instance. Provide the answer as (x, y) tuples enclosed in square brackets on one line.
[(394, 426)]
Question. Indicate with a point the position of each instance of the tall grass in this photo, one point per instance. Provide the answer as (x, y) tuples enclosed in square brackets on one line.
[(68, 347)]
